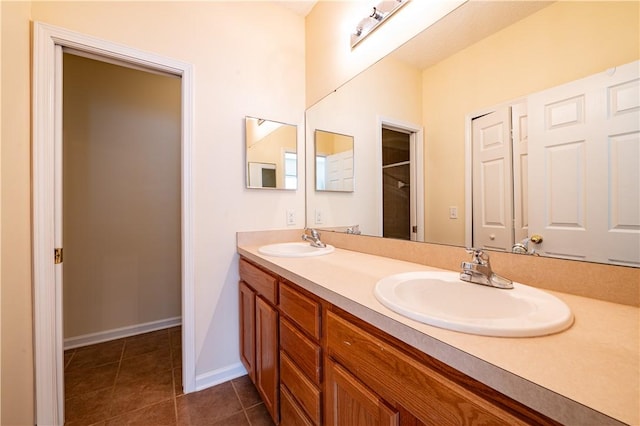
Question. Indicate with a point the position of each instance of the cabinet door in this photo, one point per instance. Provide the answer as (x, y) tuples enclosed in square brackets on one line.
[(350, 403), (267, 372), (247, 329)]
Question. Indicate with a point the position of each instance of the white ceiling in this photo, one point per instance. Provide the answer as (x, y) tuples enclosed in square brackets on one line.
[(300, 7), (471, 22)]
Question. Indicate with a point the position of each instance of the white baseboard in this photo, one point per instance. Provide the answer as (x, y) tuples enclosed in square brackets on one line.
[(220, 375), (118, 333)]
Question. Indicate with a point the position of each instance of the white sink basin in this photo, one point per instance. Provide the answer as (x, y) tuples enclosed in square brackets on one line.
[(301, 249), (441, 299)]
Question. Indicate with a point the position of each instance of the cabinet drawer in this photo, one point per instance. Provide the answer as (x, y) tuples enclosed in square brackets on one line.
[(304, 352), (306, 393), (290, 412), (396, 376), (304, 311), (262, 282)]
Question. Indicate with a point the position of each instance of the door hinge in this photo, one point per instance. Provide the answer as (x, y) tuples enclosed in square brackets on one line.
[(57, 255), (414, 229)]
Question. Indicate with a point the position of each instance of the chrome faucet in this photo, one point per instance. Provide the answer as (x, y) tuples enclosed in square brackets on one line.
[(478, 271), (313, 238), (355, 230), (523, 246)]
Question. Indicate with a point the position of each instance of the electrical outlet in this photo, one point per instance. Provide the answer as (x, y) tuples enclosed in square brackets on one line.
[(291, 217), (318, 216), (453, 212)]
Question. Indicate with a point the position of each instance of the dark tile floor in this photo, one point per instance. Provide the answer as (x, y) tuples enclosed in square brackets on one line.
[(137, 381)]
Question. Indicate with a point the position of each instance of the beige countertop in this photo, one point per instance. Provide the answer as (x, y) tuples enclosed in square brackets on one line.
[(588, 374)]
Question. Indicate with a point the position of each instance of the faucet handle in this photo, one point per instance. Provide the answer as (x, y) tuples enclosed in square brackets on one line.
[(314, 233), (479, 256)]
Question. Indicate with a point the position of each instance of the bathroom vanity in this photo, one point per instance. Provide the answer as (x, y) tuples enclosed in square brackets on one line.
[(322, 350)]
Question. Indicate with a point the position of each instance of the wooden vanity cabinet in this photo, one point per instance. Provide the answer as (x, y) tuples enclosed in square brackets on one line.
[(259, 333), (315, 364), (349, 402), (377, 372), (300, 356)]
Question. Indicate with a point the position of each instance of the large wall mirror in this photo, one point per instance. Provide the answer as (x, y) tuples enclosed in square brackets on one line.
[(271, 153), (483, 56)]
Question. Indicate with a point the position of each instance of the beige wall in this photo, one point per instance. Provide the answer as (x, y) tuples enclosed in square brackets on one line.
[(354, 110), (328, 143), (121, 156), (560, 43), (16, 346), (245, 55)]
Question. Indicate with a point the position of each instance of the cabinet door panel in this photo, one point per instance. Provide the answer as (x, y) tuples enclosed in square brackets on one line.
[(267, 374), (430, 396), (247, 329), (350, 403), (304, 352)]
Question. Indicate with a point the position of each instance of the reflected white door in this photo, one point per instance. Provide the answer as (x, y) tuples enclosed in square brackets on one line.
[(492, 181), (340, 171), (584, 157), (519, 131)]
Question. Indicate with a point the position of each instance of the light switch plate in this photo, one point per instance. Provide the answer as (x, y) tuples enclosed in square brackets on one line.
[(453, 212), (291, 217)]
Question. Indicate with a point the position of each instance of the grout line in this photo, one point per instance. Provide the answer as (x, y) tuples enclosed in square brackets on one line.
[(244, 410)]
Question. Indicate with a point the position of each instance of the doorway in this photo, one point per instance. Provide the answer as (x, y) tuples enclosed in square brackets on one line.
[(49, 42), (121, 200), (396, 185), (401, 181)]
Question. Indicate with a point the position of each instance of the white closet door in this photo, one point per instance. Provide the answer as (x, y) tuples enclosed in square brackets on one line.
[(492, 181), (622, 232), (340, 171), (519, 129), (583, 168)]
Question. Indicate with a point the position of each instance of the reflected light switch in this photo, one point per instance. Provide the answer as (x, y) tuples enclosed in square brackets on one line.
[(453, 212)]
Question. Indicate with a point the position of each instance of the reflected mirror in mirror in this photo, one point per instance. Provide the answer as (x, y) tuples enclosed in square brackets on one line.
[(334, 161), (462, 66), (271, 152)]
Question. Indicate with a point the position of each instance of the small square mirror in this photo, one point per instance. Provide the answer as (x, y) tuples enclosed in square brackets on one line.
[(272, 154), (334, 161)]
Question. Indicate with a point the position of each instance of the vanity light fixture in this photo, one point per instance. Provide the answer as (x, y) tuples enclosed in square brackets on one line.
[(380, 13)]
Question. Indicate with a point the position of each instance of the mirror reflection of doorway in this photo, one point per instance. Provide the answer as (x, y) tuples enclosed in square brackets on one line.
[(396, 184)]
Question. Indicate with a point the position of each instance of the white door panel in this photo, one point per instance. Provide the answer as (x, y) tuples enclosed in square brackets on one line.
[(520, 135), (584, 157), (623, 143), (340, 171), (492, 201)]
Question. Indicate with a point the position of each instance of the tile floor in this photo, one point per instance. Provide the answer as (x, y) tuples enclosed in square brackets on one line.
[(137, 381)]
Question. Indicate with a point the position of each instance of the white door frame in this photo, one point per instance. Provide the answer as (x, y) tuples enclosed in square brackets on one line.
[(47, 291), (417, 170)]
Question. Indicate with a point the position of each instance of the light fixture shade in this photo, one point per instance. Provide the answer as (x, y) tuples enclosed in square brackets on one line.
[(381, 12)]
